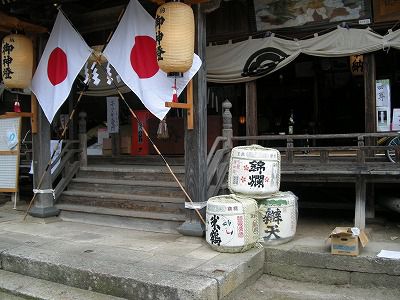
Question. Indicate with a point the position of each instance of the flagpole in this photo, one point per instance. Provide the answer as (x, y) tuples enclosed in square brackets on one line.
[(140, 123), (70, 117), (150, 139)]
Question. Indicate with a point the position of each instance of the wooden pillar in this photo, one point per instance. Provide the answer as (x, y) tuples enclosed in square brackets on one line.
[(359, 218), (115, 148), (370, 120), (44, 204), (71, 130), (251, 110), (196, 138), (83, 138), (369, 92), (227, 123)]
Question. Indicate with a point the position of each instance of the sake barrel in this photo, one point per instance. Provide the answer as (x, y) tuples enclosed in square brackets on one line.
[(232, 223), (278, 218), (254, 171)]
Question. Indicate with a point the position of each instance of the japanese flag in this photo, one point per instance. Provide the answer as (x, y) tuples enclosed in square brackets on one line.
[(62, 59), (132, 52)]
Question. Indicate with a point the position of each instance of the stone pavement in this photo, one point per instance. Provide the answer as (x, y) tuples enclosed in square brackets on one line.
[(115, 261), (54, 259)]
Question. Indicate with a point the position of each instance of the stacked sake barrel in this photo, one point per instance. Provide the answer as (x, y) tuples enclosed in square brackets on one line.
[(255, 209)]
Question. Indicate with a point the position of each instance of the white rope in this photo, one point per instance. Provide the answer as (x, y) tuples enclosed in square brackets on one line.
[(48, 191), (195, 205)]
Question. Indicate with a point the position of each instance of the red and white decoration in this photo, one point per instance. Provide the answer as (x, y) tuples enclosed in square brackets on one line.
[(64, 56), (132, 52)]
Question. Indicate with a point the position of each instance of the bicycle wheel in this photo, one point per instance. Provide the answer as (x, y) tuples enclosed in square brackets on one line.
[(391, 153)]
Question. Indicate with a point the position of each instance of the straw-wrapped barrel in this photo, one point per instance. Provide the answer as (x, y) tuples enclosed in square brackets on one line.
[(232, 223), (278, 218), (254, 171)]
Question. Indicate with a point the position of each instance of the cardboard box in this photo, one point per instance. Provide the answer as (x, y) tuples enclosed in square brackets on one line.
[(107, 152), (107, 146), (347, 241), (125, 143)]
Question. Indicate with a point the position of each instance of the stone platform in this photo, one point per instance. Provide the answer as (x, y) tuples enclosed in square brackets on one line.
[(54, 259)]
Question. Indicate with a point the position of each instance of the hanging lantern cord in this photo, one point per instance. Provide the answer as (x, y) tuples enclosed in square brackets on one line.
[(174, 92)]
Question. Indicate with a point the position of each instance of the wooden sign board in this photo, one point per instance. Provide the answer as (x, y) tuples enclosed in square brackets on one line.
[(10, 130), (386, 10)]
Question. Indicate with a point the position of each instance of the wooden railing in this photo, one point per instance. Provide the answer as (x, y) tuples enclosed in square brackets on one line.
[(360, 148), (217, 166), (352, 154), (68, 166), (67, 162)]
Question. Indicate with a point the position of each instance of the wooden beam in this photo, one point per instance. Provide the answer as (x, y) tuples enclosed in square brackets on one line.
[(177, 105), (34, 101), (9, 152), (370, 121), (9, 23), (102, 19), (21, 114), (196, 139), (369, 92), (8, 190), (43, 206), (251, 110), (160, 2), (188, 105)]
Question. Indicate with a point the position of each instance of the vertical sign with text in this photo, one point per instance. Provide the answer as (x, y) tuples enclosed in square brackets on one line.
[(383, 105), (112, 114)]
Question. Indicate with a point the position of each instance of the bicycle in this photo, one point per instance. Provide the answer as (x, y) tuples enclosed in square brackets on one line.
[(392, 154)]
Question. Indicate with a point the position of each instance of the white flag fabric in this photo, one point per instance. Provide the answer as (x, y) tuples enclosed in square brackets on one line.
[(132, 52), (62, 59)]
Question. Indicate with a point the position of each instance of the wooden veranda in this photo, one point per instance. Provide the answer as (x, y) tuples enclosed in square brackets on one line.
[(359, 160)]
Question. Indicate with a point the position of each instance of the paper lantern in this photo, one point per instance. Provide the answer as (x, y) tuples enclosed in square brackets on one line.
[(357, 64), (17, 61), (174, 37)]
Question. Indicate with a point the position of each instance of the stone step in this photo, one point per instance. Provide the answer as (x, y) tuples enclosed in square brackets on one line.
[(271, 287), (139, 187), (310, 260), (16, 285), (123, 201), (132, 219), (123, 212), (129, 159), (150, 173), (128, 273)]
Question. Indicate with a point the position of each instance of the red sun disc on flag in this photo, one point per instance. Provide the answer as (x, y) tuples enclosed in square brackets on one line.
[(57, 66), (143, 57)]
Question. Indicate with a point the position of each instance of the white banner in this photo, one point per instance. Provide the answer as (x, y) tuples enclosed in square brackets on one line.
[(112, 115), (396, 119), (383, 119)]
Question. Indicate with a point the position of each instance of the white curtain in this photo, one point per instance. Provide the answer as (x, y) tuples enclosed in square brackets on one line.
[(255, 58)]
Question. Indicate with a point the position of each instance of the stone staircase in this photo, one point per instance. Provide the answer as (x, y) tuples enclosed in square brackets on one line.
[(131, 192)]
